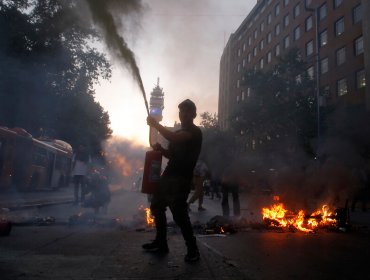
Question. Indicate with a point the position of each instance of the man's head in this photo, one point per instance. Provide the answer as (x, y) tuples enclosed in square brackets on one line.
[(187, 111)]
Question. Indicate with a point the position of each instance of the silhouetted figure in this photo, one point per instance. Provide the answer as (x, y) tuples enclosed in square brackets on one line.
[(80, 165), (98, 193), (200, 172), (229, 184), (182, 153), (215, 183), (361, 183)]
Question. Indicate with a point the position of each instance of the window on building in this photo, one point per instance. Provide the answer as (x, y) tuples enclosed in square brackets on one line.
[(243, 95), (238, 67), (309, 23), (269, 18), (286, 42), (326, 91), (254, 51), (323, 38), (244, 47), (339, 26), (336, 3), (359, 46), (341, 56), (237, 98), (360, 79), (238, 83), (249, 40), (323, 11), (310, 73), (261, 63), (277, 50), (269, 37), (277, 9), (357, 14), (262, 26), (255, 34), (308, 3), (277, 29), (297, 33), (286, 20), (249, 57), (244, 62), (297, 10), (342, 87), (261, 44), (269, 57), (324, 65), (309, 48), (286, 2), (239, 52)]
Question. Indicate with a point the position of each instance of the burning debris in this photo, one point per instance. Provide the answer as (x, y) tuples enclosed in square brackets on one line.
[(145, 217), (277, 216), (90, 219)]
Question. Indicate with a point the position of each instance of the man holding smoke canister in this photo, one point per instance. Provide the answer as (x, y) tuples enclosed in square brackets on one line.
[(182, 153)]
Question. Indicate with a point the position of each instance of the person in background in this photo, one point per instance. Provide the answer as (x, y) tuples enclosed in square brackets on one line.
[(80, 165), (98, 191), (215, 186), (200, 172), (182, 153), (229, 184)]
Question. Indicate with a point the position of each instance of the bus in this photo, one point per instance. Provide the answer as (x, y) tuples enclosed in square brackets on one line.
[(28, 164)]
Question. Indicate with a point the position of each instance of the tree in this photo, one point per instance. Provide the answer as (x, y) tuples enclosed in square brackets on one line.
[(48, 71), (281, 109), (218, 145)]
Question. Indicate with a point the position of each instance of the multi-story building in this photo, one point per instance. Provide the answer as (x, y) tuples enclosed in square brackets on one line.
[(333, 38)]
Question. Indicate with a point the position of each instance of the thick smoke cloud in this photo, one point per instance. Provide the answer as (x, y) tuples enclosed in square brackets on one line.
[(126, 161), (103, 14)]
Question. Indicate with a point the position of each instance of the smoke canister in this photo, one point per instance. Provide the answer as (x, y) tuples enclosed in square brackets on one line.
[(5, 227), (152, 172)]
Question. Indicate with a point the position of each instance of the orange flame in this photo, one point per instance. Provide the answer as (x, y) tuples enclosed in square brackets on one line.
[(277, 216), (148, 216)]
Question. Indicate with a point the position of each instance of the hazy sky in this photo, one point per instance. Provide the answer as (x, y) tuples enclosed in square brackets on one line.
[(180, 42)]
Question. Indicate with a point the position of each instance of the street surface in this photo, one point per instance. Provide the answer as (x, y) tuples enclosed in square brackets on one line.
[(44, 244)]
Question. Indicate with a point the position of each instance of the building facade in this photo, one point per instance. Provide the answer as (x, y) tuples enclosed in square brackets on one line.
[(331, 35)]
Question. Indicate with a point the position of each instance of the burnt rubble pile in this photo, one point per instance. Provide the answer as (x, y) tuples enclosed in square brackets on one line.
[(221, 225)]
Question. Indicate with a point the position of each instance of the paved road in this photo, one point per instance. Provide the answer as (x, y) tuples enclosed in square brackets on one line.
[(113, 251)]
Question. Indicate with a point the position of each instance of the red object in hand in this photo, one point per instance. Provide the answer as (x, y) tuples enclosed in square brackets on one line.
[(152, 172)]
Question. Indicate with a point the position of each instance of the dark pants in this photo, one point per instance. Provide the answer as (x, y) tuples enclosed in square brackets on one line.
[(79, 185), (234, 190), (173, 192)]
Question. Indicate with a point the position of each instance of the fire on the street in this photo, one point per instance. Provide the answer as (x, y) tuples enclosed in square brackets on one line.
[(148, 216), (278, 216)]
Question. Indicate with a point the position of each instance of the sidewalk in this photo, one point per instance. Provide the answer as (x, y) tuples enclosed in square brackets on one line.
[(14, 200)]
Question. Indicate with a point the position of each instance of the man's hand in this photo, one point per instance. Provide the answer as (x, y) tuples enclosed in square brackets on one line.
[(151, 121), (157, 147)]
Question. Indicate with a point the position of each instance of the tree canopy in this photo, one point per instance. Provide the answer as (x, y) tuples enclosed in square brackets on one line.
[(280, 108), (49, 67)]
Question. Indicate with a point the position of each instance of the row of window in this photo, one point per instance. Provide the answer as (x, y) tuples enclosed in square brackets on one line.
[(340, 55), (341, 85), (338, 28), (323, 40)]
